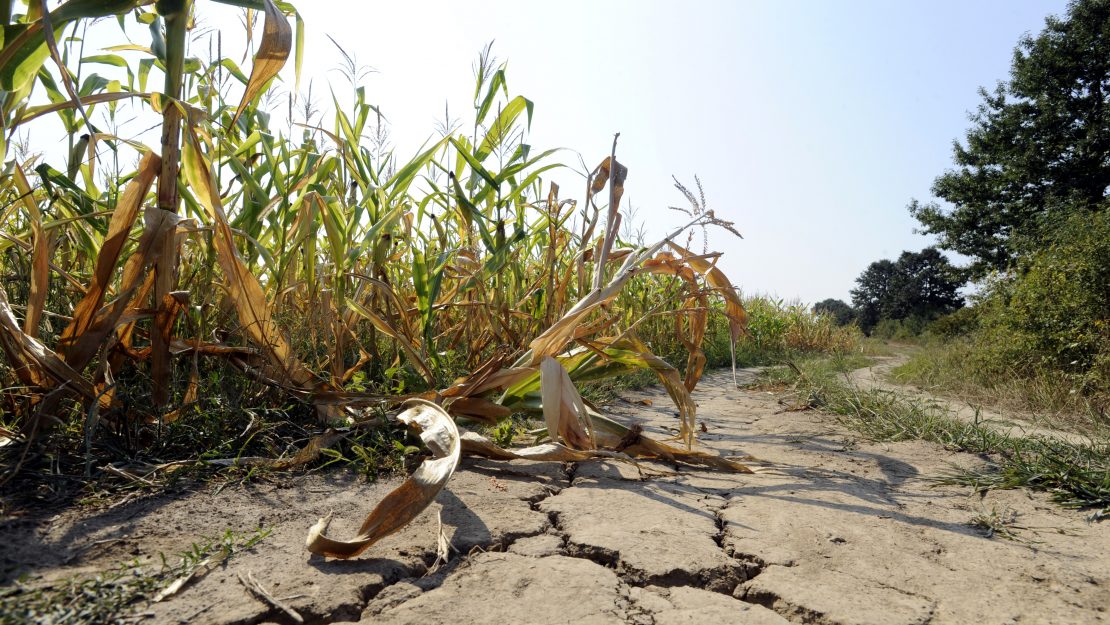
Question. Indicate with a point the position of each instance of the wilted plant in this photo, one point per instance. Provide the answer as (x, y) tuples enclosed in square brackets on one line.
[(316, 262)]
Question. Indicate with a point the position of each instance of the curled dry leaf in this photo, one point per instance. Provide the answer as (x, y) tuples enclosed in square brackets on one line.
[(734, 308), (438, 431), (273, 52), (601, 177)]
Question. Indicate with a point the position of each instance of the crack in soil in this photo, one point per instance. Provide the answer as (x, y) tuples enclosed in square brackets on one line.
[(722, 579), (750, 565), (424, 579), (799, 613), (786, 609)]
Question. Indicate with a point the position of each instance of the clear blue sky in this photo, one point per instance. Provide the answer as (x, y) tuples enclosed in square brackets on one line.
[(810, 123)]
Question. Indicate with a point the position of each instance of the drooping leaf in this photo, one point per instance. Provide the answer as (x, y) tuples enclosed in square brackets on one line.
[(85, 341), (387, 328), (273, 52), (34, 363), (107, 259), (563, 410), (246, 292), (734, 307), (40, 255), (632, 441)]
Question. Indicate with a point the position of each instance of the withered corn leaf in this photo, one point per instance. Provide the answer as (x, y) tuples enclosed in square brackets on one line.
[(441, 436)]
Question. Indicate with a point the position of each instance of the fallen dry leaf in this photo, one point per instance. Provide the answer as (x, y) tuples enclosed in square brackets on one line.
[(438, 431)]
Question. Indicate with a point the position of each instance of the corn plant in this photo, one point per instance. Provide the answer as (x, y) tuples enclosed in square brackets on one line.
[(311, 259)]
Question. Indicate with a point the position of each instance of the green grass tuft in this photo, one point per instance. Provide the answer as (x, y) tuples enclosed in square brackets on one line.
[(1076, 475)]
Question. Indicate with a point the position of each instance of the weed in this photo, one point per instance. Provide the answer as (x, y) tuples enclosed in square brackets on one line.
[(109, 598), (1076, 475), (950, 368), (996, 523)]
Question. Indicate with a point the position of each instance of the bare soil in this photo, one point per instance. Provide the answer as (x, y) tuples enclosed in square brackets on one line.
[(835, 531)]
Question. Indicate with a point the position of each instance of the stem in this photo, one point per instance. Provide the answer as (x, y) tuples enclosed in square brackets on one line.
[(176, 15), (611, 219)]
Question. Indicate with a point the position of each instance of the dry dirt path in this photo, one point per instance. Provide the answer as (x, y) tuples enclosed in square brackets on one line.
[(1012, 423), (840, 531)]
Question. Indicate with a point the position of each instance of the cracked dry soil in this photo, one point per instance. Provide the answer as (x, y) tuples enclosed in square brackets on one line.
[(837, 531)]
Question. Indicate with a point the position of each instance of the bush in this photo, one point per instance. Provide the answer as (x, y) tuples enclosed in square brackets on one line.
[(899, 329), (959, 323), (778, 328), (1054, 312)]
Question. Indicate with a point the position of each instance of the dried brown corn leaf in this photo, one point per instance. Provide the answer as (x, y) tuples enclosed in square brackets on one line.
[(476, 445), (633, 442), (107, 259), (87, 341), (478, 409), (273, 52), (40, 257), (32, 361), (632, 352), (734, 307), (601, 178), (563, 410), (438, 431), (243, 287)]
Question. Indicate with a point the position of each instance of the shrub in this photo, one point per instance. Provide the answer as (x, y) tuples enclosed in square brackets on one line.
[(899, 329), (1053, 312), (958, 323)]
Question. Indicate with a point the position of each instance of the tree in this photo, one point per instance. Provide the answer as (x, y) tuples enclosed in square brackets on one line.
[(872, 292), (840, 312), (1039, 146), (921, 285)]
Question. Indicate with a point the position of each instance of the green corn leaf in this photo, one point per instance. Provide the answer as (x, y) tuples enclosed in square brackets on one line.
[(501, 127), (474, 162), (496, 82)]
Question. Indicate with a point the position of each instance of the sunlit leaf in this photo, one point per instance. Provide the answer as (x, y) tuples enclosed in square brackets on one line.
[(273, 52), (441, 437)]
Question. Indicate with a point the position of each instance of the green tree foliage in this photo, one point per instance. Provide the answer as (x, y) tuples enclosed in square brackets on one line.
[(920, 285), (1039, 146), (838, 310)]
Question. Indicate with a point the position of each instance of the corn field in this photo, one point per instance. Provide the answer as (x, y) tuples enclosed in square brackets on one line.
[(146, 284)]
